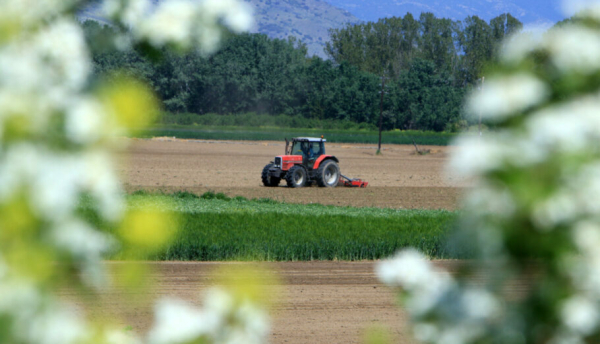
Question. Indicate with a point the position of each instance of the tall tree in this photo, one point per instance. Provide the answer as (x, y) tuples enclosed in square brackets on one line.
[(477, 45), (504, 26)]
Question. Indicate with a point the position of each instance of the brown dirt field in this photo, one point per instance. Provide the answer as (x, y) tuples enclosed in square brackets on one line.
[(320, 302), (397, 179)]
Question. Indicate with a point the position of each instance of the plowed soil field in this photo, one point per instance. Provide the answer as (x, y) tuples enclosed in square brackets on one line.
[(319, 302), (398, 178)]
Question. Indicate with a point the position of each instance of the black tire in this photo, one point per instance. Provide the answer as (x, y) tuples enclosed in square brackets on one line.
[(328, 174), (268, 180), (296, 177)]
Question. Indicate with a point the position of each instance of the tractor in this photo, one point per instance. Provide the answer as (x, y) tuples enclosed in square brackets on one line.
[(304, 163)]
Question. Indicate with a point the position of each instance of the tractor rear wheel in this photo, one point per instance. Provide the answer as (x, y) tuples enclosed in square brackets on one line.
[(296, 177), (267, 179), (328, 174)]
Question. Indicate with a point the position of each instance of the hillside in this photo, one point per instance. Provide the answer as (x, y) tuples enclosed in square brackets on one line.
[(530, 12), (307, 20)]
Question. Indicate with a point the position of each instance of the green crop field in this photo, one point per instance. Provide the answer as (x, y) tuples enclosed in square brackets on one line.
[(216, 228), (278, 134)]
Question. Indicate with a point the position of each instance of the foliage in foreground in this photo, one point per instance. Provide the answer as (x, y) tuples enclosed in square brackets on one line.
[(215, 227), (57, 131), (533, 214)]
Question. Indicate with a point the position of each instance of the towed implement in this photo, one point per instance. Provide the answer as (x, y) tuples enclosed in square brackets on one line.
[(305, 163)]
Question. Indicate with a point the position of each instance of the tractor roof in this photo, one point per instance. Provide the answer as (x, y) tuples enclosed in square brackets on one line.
[(310, 139)]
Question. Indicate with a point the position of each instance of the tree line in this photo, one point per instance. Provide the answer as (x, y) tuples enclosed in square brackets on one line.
[(427, 65)]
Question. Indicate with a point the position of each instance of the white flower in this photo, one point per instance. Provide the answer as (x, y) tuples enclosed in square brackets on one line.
[(85, 120), (586, 236), (20, 163), (407, 269), (479, 304), (100, 180), (172, 22), (55, 326), (29, 13), (473, 156), (574, 48), (491, 200), (63, 50), (237, 15), (130, 12), (18, 296), (184, 23), (56, 184), (506, 96), (517, 47), (580, 314), (255, 323), (177, 322), (428, 295), (81, 240)]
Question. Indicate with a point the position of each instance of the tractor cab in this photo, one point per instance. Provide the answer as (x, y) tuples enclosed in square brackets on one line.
[(305, 162), (308, 148)]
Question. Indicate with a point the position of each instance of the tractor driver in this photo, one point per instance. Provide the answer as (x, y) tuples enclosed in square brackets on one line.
[(306, 148)]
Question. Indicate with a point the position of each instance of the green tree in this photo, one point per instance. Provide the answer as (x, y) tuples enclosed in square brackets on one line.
[(426, 100), (477, 45), (504, 26)]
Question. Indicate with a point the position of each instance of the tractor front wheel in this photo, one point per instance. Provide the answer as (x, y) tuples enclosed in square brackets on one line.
[(296, 177), (267, 179), (328, 174)]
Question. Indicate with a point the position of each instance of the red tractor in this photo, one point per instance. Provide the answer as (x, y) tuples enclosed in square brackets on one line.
[(304, 163)]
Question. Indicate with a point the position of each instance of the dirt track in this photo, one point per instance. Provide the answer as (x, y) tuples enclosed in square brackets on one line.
[(321, 302), (398, 178)]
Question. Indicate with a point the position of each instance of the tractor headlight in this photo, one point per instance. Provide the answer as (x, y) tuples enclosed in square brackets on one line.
[(277, 162)]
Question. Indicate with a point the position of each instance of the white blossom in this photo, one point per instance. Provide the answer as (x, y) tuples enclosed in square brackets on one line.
[(59, 326), (53, 62), (177, 322), (472, 157), (81, 240), (480, 304), (574, 49), (171, 22), (29, 13), (517, 47), (407, 269), (85, 121), (130, 12), (507, 96), (102, 183), (237, 15), (580, 314), (183, 23)]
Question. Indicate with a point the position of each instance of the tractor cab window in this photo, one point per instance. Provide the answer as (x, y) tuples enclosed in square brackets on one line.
[(299, 148), (310, 150), (316, 150)]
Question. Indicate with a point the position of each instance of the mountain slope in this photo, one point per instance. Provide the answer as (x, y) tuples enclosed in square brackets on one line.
[(530, 12), (307, 20)]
